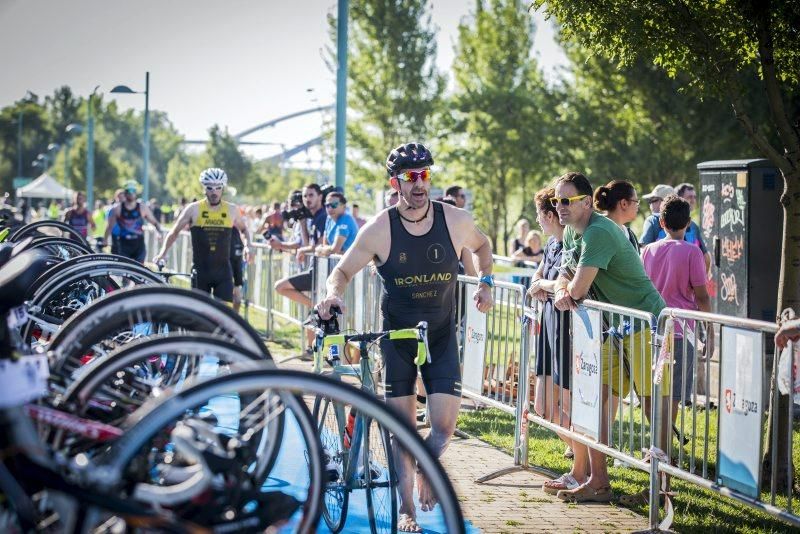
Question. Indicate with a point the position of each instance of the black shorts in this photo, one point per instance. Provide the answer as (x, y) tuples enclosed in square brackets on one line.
[(132, 248), (218, 282), (441, 375), (553, 356), (302, 281)]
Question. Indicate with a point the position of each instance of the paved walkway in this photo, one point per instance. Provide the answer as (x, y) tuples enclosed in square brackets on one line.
[(515, 503)]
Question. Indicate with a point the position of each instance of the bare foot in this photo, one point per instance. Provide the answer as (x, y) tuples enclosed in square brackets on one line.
[(406, 523), (427, 500)]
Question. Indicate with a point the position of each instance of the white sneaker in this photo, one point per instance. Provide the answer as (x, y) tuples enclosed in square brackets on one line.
[(333, 467)]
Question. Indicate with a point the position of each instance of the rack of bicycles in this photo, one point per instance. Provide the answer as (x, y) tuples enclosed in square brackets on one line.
[(129, 404)]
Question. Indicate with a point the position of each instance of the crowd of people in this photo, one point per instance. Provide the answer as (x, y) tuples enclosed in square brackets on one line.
[(592, 253)]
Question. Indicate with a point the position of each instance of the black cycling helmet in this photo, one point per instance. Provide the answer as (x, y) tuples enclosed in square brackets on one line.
[(408, 156)]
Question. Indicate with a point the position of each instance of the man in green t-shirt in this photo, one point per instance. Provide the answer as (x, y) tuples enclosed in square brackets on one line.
[(598, 262)]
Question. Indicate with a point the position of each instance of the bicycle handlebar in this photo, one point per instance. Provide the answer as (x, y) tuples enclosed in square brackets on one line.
[(419, 332)]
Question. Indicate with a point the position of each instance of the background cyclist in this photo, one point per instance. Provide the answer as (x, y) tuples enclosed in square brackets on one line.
[(130, 215), (210, 221), (416, 245)]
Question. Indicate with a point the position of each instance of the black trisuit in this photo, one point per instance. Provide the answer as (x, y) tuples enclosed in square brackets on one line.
[(211, 250), (419, 284)]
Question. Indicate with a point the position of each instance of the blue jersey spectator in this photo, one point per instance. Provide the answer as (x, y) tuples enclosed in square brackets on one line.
[(340, 229)]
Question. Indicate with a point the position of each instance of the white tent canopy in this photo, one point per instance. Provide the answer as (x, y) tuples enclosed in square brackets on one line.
[(45, 186)]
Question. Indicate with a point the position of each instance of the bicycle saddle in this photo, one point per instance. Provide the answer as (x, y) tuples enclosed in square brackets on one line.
[(19, 272)]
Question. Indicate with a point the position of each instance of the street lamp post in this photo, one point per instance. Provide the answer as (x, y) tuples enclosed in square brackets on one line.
[(70, 130), (341, 92), (90, 150), (19, 145), (124, 89)]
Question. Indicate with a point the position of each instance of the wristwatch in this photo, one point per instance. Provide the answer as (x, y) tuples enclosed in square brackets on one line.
[(487, 279)]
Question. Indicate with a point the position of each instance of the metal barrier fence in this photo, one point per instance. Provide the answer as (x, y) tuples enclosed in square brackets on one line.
[(597, 348), (747, 389)]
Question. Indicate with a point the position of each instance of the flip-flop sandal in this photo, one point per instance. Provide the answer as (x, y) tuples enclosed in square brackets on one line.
[(564, 482), (586, 493)]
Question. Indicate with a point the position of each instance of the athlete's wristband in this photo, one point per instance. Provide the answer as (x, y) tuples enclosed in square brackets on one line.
[(487, 279)]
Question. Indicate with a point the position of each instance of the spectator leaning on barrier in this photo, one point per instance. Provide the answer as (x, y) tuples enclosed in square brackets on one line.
[(651, 227), (552, 351), (618, 199), (677, 270), (597, 257), (340, 228), (312, 227), (693, 235)]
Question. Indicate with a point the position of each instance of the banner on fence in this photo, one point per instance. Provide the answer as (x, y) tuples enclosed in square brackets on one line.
[(741, 411), (586, 377), (474, 350)]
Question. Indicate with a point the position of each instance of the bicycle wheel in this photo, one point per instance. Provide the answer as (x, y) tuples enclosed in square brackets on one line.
[(330, 420), (58, 228), (88, 261), (260, 379), (144, 311), (138, 457), (60, 247), (380, 480), (110, 389), (68, 290)]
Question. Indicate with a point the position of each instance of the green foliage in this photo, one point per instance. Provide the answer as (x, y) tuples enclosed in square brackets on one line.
[(500, 116), (394, 91)]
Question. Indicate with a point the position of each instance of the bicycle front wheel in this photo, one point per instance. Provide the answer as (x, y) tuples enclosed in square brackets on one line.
[(330, 419), (380, 480)]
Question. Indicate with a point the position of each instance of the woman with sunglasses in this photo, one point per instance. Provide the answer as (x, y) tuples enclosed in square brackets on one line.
[(416, 245), (620, 203), (552, 392)]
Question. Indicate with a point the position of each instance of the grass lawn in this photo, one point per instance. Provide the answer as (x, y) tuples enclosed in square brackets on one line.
[(696, 510)]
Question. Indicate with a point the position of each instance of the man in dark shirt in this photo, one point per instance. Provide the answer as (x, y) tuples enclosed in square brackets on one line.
[(416, 245)]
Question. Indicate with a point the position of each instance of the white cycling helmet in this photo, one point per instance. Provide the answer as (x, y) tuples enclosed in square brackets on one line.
[(213, 176)]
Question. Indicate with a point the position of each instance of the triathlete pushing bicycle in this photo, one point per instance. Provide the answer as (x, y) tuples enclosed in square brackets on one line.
[(416, 246)]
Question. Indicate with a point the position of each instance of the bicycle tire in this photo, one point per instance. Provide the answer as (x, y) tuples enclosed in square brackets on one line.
[(108, 259), (381, 488), (100, 277), (62, 247), (148, 421), (336, 495), (79, 394), (258, 377), (190, 309), (33, 228)]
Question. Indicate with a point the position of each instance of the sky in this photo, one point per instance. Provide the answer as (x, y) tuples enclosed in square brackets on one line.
[(236, 63)]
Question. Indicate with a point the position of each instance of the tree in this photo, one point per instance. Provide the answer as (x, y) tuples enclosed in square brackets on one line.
[(634, 122), (37, 133), (498, 129), (715, 47), (394, 90)]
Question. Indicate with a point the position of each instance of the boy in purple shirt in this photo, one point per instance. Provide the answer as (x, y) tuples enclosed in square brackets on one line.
[(677, 269)]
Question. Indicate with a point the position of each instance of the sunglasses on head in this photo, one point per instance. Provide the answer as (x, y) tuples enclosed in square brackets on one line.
[(332, 205), (413, 176), (565, 201), (213, 188)]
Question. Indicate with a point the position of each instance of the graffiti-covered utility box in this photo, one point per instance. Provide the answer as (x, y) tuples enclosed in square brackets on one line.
[(742, 223)]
